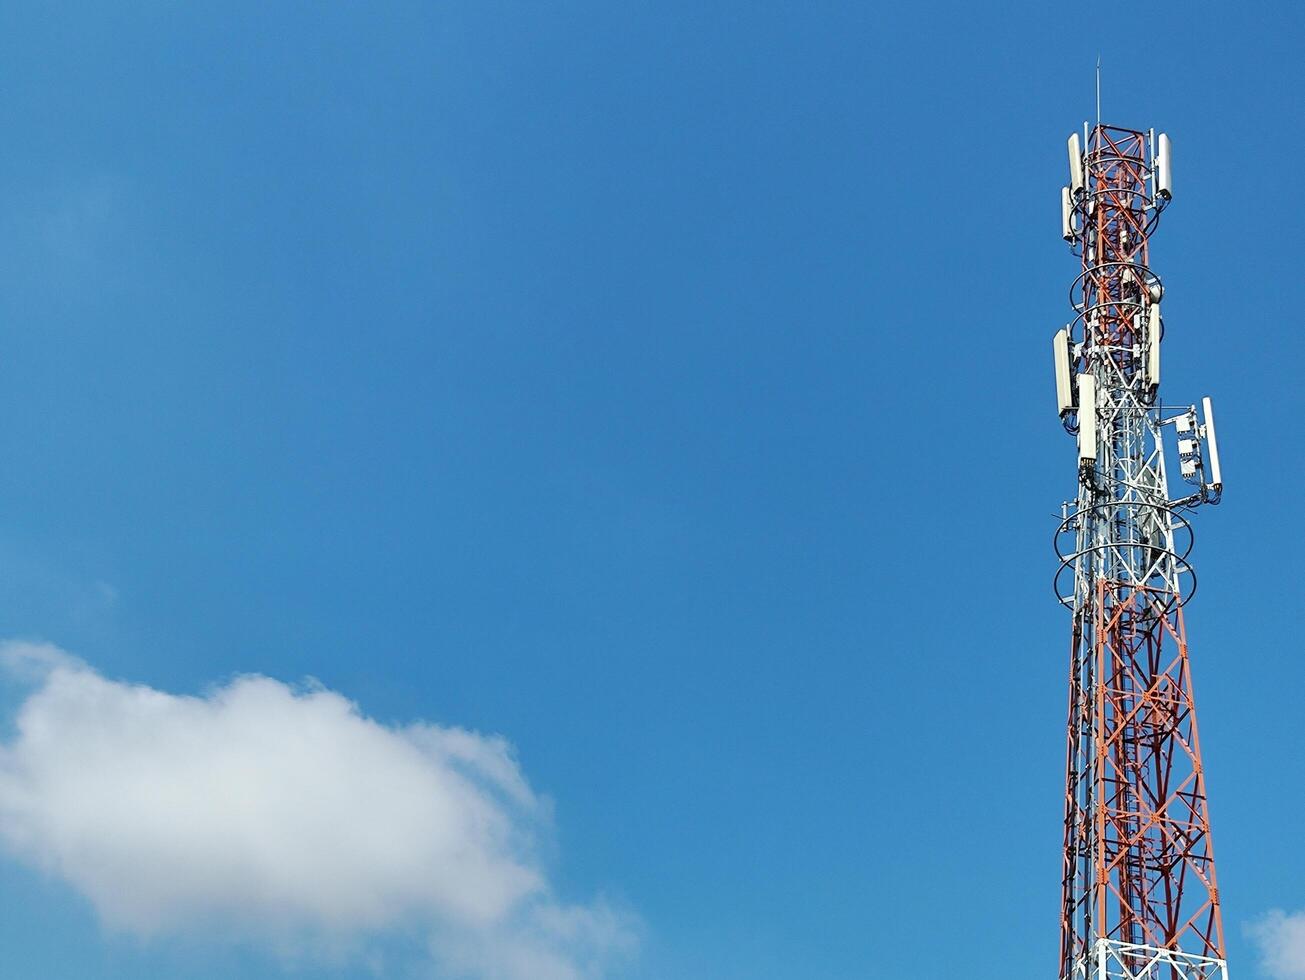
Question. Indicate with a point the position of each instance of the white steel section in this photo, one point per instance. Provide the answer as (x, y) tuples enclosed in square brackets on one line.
[(1113, 960)]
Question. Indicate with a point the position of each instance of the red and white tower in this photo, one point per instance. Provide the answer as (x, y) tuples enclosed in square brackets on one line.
[(1141, 901)]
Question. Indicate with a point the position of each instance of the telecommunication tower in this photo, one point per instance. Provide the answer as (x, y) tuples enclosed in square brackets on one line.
[(1140, 900)]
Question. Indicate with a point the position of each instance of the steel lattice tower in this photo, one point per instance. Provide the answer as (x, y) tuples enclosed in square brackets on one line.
[(1141, 900)]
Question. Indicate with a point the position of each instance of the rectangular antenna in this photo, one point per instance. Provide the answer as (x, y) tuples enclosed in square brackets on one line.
[(1163, 169), (1087, 418), (1153, 345), (1075, 165), (1064, 379), (1212, 444)]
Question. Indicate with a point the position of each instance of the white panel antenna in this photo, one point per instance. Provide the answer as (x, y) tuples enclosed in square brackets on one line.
[(1067, 215), (1153, 345), (1211, 445), (1075, 166), (1064, 379), (1164, 179), (1087, 418)]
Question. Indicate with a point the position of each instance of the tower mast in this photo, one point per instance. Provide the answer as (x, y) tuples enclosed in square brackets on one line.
[(1140, 897)]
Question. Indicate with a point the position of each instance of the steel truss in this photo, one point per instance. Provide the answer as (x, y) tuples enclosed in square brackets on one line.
[(1140, 897), (1127, 961)]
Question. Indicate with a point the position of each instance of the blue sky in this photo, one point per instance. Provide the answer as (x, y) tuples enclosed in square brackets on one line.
[(664, 388)]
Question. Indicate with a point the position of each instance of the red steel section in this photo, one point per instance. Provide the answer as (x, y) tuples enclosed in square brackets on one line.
[(1155, 877)]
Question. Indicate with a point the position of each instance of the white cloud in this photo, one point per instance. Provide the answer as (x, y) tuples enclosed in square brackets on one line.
[(267, 812), (1281, 940)]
